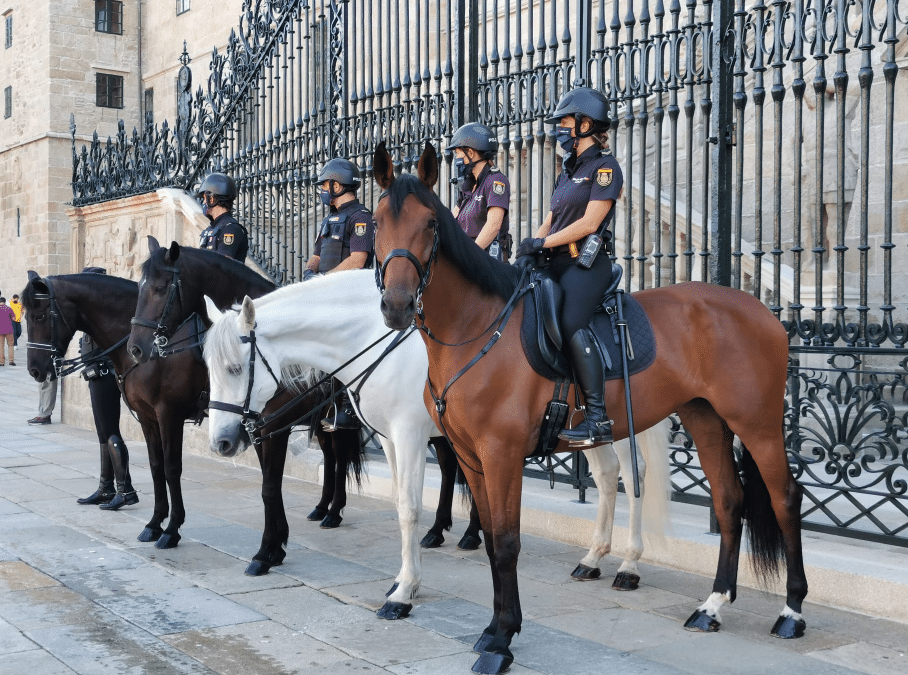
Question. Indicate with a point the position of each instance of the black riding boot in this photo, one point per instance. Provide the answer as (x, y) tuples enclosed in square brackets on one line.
[(105, 491), (344, 416), (596, 426), (126, 494)]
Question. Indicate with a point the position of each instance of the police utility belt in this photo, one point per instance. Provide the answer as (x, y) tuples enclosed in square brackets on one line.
[(584, 254)]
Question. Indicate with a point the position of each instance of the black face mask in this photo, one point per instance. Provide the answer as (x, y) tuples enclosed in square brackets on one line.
[(206, 207)]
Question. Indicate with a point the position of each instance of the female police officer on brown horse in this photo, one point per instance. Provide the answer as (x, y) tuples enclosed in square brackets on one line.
[(574, 237), (482, 206)]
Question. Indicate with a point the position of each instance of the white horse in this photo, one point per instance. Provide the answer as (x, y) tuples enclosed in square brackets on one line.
[(322, 324)]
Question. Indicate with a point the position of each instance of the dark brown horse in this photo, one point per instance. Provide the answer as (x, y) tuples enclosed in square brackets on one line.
[(174, 283), (163, 394), (721, 366)]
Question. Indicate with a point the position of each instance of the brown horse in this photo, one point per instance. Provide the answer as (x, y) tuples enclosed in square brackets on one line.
[(721, 366)]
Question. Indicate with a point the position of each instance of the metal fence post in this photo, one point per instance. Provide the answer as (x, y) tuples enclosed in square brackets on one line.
[(722, 138), (466, 62)]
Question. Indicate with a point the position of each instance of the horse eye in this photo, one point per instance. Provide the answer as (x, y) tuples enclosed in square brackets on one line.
[(234, 370), (159, 289)]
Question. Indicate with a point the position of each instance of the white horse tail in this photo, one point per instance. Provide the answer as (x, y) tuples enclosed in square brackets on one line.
[(653, 445)]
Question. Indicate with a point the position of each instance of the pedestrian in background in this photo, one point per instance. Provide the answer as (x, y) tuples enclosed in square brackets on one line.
[(17, 324), (7, 318)]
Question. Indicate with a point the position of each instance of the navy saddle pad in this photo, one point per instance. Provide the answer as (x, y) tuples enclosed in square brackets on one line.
[(547, 359)]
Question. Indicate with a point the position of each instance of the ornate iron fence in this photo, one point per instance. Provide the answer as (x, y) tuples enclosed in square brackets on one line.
[(758, 145)]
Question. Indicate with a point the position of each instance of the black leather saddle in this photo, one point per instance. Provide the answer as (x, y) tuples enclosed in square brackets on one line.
[(542, 339)]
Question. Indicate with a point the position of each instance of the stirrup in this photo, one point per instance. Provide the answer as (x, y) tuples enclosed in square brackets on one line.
[(600, 433)]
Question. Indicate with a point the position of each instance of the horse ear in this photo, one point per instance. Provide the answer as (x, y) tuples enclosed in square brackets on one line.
[(32, 275), (247, 314), (212, 310), (153, 244), (382, 166), (427, 169), (172, 253)]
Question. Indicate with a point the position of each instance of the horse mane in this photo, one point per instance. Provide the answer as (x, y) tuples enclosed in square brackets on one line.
[(231, 268), (222, 345), (492, 276), (28, 295)]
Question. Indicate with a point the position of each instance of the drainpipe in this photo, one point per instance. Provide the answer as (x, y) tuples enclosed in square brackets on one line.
[(141, 90)]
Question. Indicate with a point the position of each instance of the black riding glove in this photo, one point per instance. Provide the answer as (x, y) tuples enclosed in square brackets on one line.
[(309, 274), (530, 246)]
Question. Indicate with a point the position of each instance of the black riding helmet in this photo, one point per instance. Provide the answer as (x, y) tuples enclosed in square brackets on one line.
[(583, 102), (477, 137), (344, 172), (218, 184)]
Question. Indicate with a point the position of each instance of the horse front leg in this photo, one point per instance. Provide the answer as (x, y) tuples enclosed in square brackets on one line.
[(407, 456), (346, 443), (153, 530), (326, 443), (272, 453), (172, 438), (604, 468)]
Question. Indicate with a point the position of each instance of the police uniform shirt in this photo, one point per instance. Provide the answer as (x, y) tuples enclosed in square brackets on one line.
[(227, 237), (492, 189), (358, 234), (592, 177)]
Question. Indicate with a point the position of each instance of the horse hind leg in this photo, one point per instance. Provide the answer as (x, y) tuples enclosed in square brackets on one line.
[(714, 439), (325, 442), (346, 444), (447, 464), (604, 467)]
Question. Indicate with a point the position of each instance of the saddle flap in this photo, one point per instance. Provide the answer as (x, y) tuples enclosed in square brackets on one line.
[(550, 297)]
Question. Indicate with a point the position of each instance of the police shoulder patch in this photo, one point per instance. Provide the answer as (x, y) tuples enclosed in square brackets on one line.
[(498, 187), (360, 229), (604, 177), (228, 239)]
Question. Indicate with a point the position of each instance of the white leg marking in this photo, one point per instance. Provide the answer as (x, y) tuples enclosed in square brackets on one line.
[(788, 612), (714, 603)]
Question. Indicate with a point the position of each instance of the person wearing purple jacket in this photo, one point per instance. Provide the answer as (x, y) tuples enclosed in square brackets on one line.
[(7, 317)]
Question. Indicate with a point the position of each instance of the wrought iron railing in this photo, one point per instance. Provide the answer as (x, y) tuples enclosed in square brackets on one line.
[(758, 145)]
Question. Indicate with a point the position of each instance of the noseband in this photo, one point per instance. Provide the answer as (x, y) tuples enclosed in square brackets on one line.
[(161, 333), (252, 420), (54, 312), (424, 273)]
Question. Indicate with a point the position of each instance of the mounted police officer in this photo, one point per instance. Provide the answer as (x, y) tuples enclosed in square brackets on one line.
[(225, 235), (575, 240), (485, 192), (345, 242)]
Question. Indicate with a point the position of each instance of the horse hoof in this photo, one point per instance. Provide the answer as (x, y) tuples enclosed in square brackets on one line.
[(584, 573), (394, 611), (702, 622), (469, 543), (432, 540), (393, 588), (788, 628), (168, 540), (150, 534), (330, 522), (257, 568), (492, 663), (482, 644), (318, 513), (626, 581)]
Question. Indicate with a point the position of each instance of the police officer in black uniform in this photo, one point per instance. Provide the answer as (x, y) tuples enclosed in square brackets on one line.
[(345, 242), (583, 207), (485, 192), (105, 406), (225, 235)]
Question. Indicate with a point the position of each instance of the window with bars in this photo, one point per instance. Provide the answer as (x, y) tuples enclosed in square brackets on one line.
[(8, 102), (149, 107), (182, 6), (109, 16), (108, 90), (9, 30)]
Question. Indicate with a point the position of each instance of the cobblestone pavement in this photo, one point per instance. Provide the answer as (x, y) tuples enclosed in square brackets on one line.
[(79, 594)]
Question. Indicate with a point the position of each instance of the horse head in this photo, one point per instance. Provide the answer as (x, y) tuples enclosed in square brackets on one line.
[(162, 303), (49, 332), (406, 236), (239, 390)]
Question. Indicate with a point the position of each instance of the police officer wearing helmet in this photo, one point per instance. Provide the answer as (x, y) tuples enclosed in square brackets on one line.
[(583, 207), (345, 238), (485, 192), (225, 235), (344, 242)]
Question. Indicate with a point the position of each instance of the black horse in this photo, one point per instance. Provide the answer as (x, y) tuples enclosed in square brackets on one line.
[(173, 286), (162, 395)]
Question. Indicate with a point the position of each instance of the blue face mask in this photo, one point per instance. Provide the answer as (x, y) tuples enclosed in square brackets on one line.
[(325, 196), (565, 140)]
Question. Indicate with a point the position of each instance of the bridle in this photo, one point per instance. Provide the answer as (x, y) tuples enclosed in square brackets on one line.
[(54, 312), (161, 334)]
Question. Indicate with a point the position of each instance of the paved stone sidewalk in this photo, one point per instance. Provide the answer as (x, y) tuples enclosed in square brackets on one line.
[(79, 594)]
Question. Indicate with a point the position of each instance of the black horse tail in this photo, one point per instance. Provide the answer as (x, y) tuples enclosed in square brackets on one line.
[(356, 456), (460, 480), (764, 536)]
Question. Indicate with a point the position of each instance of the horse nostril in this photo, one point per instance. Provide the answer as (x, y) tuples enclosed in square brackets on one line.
[(224, 448), (34, 373)]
